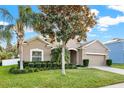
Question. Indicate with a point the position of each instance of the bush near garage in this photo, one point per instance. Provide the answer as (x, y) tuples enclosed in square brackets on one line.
[(85, 62), (109, 62)]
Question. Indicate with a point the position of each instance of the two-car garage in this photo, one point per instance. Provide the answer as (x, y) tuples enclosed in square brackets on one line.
[(96, 60), (96, 52)]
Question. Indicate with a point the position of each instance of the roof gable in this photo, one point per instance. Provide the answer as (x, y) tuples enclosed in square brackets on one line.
[(87, 44), (38, 38)]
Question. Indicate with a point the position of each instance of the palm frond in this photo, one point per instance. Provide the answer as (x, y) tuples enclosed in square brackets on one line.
[(6, 15), (6, 33)]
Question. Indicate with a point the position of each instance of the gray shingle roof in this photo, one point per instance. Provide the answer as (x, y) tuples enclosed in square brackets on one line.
[(85, 43)]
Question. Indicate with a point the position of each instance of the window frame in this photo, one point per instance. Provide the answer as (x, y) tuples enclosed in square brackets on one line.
[(38, 50)]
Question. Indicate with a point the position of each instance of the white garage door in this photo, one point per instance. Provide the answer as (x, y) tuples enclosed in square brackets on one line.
[(96, 60)]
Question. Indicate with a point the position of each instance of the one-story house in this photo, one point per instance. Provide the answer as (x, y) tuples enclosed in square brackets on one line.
[(116, 50), (38, 49)]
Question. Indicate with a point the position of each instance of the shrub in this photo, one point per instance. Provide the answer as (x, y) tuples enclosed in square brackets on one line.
[(15, 70), (25, 64), (74, 66), (31, 65), (41, 69), (45, 65), (108, 62), (86, 62), (30, 70), (36, 70), (38, 65), (79, 66)]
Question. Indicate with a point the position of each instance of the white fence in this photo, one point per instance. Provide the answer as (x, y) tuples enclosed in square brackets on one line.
[(9, 62)]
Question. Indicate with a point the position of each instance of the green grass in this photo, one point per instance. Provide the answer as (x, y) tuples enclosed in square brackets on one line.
[(75, 78), (118, 66)]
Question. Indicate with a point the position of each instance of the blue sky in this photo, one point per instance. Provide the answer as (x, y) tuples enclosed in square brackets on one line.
[(110, 22)]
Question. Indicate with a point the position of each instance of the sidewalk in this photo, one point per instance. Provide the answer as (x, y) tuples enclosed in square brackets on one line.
[(120, 85), (110, 69)]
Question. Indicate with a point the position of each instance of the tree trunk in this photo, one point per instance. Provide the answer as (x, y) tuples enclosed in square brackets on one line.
[(63, 59), (21, 53)]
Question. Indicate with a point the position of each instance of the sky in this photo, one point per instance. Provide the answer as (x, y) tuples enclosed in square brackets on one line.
[(110, 22)]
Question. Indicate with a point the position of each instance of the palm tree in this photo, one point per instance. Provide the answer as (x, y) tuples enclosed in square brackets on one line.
[(23, 21)]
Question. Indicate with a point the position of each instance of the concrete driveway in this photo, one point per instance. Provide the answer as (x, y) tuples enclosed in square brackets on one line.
[(109, 69), (120, 85)]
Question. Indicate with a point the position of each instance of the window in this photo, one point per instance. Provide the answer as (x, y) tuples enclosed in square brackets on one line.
[(36, 55)]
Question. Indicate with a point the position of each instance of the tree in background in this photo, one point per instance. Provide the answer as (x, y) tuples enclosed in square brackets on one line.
[(63, 23), (22, 22)]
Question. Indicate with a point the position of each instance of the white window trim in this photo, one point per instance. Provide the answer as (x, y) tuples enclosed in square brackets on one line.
[(36, 49), (90, 53)]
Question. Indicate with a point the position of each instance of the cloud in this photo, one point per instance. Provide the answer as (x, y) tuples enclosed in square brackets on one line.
[(91, 35), (103, 29), (109, 21), (105, 22), (95, 11), (4, 23), (117, 8)]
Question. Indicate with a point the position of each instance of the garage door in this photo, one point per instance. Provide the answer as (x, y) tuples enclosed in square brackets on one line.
[(96, 60)]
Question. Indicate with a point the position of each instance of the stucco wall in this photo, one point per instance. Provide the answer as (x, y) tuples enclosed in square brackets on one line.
[(94, 48), (72, 43), (36, 44)]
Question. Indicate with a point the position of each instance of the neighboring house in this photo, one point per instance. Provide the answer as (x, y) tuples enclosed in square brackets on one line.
[(116, 50), (37, 49)]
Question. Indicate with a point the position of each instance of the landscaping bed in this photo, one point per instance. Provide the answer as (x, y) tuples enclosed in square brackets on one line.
[(75, 78), (30, 67)]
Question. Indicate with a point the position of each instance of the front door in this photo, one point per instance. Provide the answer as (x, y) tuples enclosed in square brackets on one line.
[(73, 57)]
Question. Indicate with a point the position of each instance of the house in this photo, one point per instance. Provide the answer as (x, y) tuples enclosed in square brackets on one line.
[(116, 50), (93, 50), (38, 49)]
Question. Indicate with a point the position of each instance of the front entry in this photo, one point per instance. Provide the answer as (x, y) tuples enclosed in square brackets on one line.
[(73, 57)]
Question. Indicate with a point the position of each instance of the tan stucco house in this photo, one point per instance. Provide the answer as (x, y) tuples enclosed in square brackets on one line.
[(39, 49)]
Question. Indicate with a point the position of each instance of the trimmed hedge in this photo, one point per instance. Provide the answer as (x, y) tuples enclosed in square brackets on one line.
[(46, 65), (85, 62), (16, 70), (109, 62), (79, 65), (30, 67)]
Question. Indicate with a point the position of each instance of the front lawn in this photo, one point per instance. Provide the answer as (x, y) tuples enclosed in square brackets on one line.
[(75, 78), (118, 66)]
